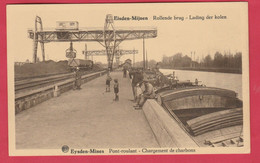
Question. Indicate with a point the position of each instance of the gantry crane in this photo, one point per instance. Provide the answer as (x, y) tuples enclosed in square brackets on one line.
[(109, 37), (118, 53)]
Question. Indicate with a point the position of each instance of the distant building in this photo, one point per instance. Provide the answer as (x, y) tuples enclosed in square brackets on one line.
[(21, 63)]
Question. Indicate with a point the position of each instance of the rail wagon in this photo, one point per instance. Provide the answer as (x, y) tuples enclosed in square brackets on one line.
[(80, 63)]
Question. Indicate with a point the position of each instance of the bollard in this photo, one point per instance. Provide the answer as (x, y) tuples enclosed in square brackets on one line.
[(56, 91)]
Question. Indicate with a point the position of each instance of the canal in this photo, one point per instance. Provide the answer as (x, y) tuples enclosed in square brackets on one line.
[(211, 79)]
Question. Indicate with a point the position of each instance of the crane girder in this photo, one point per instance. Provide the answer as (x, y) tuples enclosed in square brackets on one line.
[(98, 35), (109, 37), (103, 52)]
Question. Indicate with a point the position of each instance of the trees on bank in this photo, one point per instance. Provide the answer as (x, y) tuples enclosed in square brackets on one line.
[(218, 61)]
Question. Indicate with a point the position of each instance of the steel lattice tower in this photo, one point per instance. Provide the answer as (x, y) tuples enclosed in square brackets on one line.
[(38, 38)]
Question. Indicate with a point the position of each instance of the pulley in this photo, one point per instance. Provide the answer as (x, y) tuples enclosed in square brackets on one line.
[(70, 52)]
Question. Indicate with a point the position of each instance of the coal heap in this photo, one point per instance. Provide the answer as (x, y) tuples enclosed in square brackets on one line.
[(46, 68), (41, 69)]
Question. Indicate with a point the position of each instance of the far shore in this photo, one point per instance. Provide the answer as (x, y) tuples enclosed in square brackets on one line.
[(221, 70)]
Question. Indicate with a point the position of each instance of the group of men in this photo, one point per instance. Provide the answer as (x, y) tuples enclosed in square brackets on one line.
[(142, 89)]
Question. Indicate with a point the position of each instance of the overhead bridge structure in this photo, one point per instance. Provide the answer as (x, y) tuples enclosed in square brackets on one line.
[(109, 37), (117, 54)]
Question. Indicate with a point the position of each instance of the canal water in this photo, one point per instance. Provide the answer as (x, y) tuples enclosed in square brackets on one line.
[(210, 79)]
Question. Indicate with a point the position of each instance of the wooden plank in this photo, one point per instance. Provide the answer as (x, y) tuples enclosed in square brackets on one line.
[(217, 127), (227, 139), (218, 124), (216, 121), (204, 101), (232, 141), (180, 93), (224, 144), (213, 115), (222, 138)]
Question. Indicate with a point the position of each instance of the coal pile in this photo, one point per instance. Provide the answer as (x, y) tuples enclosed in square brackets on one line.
[(47, 68), (40, 69), (97, 67)]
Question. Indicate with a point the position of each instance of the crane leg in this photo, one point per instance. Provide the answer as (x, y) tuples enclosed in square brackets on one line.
[(43, 51), (35, 47)]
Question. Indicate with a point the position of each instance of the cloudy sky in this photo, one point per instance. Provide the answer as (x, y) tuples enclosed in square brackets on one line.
[(202, 36)]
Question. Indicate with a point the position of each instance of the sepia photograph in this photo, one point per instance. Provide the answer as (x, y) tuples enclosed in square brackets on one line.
[(128, 79)]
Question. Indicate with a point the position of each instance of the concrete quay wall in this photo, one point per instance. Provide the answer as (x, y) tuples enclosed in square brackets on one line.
[(166, 130)]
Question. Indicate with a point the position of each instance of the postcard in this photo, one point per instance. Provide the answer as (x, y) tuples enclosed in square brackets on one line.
[(128, 79)]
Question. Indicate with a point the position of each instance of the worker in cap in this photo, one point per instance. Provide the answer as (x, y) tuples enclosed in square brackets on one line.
[(147, 94)]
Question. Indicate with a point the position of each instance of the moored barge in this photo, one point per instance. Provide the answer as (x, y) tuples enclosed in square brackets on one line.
[(208, 116)]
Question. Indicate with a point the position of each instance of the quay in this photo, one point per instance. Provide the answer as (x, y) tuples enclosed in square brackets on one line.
[(86, 118)]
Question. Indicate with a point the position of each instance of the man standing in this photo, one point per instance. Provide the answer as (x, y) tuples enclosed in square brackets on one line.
[(78, 79), (157, 66), (124, 72), (108, 80), (196, 81), (137, 78)]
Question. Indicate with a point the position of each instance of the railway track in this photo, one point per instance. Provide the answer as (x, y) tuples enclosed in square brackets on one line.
[(31, 92), (35, 83)]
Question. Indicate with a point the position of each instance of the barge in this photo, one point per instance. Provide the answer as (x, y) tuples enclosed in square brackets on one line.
[(204, 116)]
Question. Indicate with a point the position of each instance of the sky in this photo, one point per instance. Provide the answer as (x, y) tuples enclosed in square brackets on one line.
[(174, 36)]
